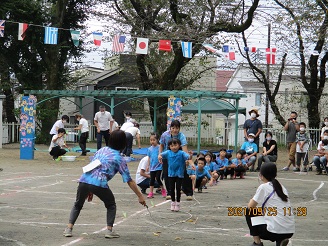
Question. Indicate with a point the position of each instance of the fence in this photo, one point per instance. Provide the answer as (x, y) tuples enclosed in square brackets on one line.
[(208, 135)]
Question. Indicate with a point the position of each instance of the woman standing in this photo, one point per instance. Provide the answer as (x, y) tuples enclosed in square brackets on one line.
[(271, 201)]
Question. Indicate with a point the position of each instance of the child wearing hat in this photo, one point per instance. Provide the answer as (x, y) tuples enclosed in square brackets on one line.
[(251, 151), (253, 125)]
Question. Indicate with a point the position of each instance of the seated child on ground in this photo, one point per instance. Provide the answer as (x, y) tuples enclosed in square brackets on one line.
[(251, 151), (221, 164), (202, 175), (240, 164), (230, 170)]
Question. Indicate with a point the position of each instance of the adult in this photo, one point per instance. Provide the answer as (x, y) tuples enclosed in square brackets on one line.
[(84, 128), (270, 151), (320, 158), (128, 124), (251, 151), (271, 200), (96, 182), (104, 122), (128, 116), (131, 133), (291, 127), (324, 127), (115, 125), (57, 143), (59, 124), (253, 125), (174, 132), (143, 175)]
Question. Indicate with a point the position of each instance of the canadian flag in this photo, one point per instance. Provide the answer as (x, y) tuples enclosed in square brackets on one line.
[(271, 55)]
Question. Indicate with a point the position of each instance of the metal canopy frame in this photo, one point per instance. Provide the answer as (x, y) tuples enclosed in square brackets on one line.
[(146, 94)]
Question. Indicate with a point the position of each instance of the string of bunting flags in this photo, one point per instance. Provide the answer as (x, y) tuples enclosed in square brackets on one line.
[(51, 37)]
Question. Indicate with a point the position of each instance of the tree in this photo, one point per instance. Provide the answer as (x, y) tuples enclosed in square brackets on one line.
[(313, 71), (196, 21), (36, 65)]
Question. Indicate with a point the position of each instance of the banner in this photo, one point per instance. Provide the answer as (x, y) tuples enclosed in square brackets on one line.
[(173, 110), (27, 127)]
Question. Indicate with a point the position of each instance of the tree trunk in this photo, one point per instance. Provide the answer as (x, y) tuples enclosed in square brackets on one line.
[(313, 110)]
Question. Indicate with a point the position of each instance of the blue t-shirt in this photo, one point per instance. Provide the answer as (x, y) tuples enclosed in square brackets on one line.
[(250, 148), (210, 166), (166, 137), (221, 163), (176, 162), (152, 153), (202, 174), (190, 171), (111, 163), (236, 161)]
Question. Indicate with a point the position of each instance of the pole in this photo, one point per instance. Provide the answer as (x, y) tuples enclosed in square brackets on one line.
[(266, 120)]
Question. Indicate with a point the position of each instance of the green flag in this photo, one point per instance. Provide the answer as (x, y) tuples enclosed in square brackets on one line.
[(75, 37)]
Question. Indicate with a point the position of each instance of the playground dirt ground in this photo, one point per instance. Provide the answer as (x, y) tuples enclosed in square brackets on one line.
[(36, 197)]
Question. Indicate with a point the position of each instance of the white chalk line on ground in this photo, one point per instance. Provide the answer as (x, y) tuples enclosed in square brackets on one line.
[(13, 240), (26, 179), (316, 190), (119, 222)]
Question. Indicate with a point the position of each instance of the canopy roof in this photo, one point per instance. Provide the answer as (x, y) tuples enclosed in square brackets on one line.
[(212, 106)]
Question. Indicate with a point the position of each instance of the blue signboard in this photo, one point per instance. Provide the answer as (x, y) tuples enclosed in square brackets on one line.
[(27, 127)]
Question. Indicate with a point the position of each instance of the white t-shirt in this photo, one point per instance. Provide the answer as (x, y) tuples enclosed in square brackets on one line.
[(323, 130), (133, 130), (58, 124), (85, 125), (103, 119), (279, 223), (115, 126), (59, 142), (126, 125), (143, 164)]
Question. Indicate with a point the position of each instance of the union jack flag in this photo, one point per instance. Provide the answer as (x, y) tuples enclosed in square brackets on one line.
[(2, 28)]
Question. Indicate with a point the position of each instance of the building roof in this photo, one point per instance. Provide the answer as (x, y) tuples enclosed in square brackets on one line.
[(222, 79)]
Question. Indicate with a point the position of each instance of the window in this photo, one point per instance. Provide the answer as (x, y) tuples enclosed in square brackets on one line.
[(258, 99), (126, 89)]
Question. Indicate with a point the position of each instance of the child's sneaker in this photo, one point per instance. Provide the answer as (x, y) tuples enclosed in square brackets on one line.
[(150, 195), (168, 197), (285, 169), (172, 206), (68, 232), (177, 207), (200, 190), (221, 177), (296, 169), (164, 194), (111, 234)]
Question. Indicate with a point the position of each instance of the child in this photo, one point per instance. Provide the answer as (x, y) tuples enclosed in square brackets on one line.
[(199, 155), (240, 164), (302, 146), (221, 164), (176, 160), (251, 151), (202, 175), (154, 166), (230, 168), (209, 166), (57, 142)]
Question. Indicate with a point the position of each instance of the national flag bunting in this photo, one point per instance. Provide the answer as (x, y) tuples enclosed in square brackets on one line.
[(22, 27), (2, 28), (230, 53), (142, 46), (252, 49), (210, 48), (186, 49), (75, 34), (51, 35), (164, 45), (271, 55), (97, 36), (118, 43)]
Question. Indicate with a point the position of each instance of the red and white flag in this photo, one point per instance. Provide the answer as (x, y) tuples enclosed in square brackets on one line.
[(164, 45), (118, 43), (97, 36), (142, 46), (271, 55), (22, 27)]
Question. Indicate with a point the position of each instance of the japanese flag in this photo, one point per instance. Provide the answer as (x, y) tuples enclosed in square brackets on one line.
[(142, 46)]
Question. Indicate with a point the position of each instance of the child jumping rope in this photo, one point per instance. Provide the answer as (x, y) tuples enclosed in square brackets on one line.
[(176, 160), (155, 166)]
